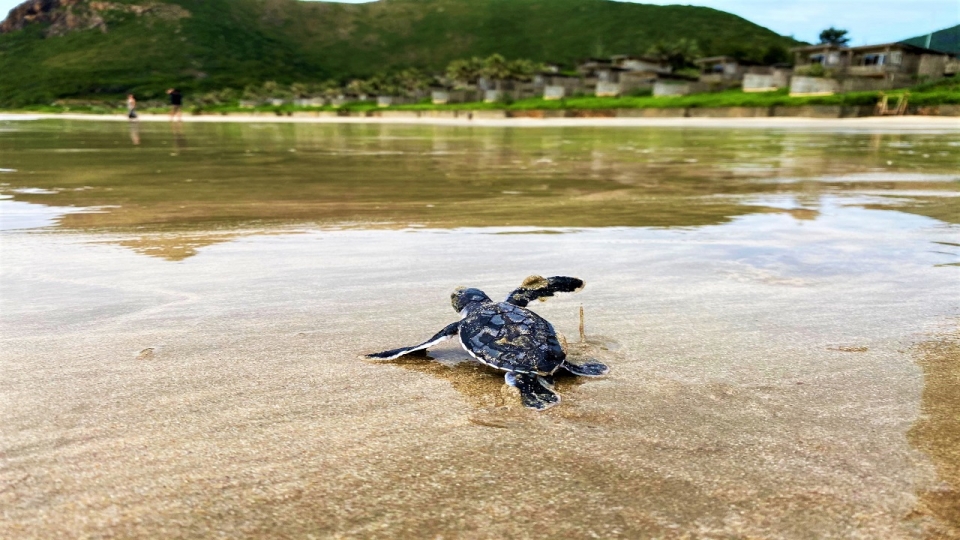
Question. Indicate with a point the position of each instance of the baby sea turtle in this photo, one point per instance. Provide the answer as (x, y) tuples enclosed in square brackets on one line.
[(508, 336)]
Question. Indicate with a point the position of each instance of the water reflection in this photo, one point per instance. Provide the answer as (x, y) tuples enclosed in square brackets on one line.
[(179, 139), (135, 132), (276, 175)]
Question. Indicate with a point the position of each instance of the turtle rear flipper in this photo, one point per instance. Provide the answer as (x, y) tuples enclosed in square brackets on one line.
[(588, 369), (533, 392), (448, 332)]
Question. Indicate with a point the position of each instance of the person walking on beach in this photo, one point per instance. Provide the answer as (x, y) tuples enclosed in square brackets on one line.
[(131, 107), (176, 104)]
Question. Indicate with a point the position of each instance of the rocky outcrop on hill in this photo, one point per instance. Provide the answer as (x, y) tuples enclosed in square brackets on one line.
[(29, 12), (65, 16)]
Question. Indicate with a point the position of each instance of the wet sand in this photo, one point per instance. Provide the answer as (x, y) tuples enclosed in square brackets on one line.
[(937, 432), (881, 123), (788, 372), (224, 394)]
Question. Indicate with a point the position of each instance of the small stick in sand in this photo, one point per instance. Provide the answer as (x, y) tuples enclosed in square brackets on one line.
[(583, 335)]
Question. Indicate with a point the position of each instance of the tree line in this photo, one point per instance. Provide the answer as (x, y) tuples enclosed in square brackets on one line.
[(462, 73)]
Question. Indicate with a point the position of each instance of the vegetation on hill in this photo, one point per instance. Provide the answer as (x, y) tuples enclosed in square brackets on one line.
[(135, 46), (946, 40)]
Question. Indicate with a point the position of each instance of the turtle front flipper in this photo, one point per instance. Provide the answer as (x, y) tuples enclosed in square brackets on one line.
[(448, 332), (534, 392), (539, 288), (588, 369)]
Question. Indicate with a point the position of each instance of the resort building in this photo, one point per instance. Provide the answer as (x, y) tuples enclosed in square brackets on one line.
[(869, 67)]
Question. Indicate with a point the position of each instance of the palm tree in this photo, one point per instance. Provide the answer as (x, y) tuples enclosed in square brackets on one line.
[(252, 92), (358, 87), (464, 72), (273, 90), (226, 95), (523, 69), (496, 68), (679, 54), (411, 81), (834, 36), (299, 90), (328, 89)]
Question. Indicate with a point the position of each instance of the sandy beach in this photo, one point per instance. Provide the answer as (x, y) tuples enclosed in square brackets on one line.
[(184, 320)]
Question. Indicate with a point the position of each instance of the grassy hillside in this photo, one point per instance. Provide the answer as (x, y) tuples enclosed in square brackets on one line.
[(946, 40), (232, 43)]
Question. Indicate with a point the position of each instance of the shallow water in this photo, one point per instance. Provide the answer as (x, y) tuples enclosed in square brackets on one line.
[(183, 318)]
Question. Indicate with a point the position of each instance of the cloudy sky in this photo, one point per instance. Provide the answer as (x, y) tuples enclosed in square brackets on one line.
[(869, 21)]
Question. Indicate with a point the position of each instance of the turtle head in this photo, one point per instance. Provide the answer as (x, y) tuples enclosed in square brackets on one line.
[(463, 297)]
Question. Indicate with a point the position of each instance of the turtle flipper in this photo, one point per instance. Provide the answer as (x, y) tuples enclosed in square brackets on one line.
[(448, 332), (533, 392), (588, 369), (536, 287), (511, 379)]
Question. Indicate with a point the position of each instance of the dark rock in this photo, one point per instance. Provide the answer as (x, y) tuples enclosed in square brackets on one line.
[(65, 16)]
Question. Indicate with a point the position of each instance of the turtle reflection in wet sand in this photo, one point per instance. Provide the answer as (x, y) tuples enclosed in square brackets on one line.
[(509, 337)]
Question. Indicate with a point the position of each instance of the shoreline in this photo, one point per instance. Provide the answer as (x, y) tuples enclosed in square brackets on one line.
[(484, 119)]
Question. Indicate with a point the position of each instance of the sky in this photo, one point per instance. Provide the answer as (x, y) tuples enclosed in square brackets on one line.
[(868, 21)]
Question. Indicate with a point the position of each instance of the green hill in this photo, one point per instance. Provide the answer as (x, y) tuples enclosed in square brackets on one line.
[(78, 48), (946, 40)]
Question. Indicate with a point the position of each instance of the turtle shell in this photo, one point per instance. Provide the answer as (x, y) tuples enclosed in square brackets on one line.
[(511, 338)]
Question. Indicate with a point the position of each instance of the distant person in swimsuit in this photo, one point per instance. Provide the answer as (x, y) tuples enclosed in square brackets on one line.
[(131, 107), (176, 104)]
